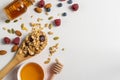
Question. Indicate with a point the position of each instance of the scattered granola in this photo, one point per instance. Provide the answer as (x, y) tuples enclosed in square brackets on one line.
[(3, 52), (47, 61)]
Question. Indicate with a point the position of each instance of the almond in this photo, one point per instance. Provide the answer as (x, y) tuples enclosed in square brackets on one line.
[(18, 33), (38, 10), (14, 48), (3, 52)]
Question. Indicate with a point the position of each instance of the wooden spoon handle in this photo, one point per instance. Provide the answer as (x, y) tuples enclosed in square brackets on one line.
[(8, 67), (51, 77)]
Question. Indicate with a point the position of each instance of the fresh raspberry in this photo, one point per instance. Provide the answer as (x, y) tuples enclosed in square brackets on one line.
[(75, 7), (16, 41), (7, 40), (41, 4), (57, 22)]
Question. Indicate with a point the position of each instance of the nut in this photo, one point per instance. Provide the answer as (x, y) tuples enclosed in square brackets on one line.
[(3, 52), (14, 48), (18, 33), (38, 10)]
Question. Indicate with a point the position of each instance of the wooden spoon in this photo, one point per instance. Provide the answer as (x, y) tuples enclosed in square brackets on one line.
[(33, 44), (55, 69)]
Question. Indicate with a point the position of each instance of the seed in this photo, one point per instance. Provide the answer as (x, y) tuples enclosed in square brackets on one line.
[(56, 38), (13, 31), (4, 28), (9, 31), (50, 26), (15, 20), (51, 17), (7, 21)]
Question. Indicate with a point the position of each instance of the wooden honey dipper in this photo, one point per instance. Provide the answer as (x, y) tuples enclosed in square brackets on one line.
[(55, 69)]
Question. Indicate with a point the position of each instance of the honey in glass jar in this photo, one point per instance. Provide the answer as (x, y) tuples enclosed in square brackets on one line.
[(17, 8)]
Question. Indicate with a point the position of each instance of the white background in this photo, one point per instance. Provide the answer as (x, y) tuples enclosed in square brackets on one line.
[(90, 37)]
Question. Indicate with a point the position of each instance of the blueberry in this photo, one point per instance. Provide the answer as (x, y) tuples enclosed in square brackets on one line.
[(64, 14), (59, 4), (69, 1), (42, 38), (48, 9)]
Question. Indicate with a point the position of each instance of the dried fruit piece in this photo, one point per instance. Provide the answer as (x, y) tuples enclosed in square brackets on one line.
[(14, 48), (18, 33), (57, 22), (42, 38), (3, 52), (41, 4), (59, 5), (64, 14), (7, 40), (38, 10), (75, 7), (16, 41), (48, 9), (49, 5)]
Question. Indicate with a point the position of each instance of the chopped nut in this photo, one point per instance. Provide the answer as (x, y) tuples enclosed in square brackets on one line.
[(3, 52), (46, 25), (18, 33), (14, 48), (38, 10), (50, 33)]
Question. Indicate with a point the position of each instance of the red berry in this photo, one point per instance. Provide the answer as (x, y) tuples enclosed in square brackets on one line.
[(75, 7), (7, 40), (16, 41), (57, 22), (41, 3)]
